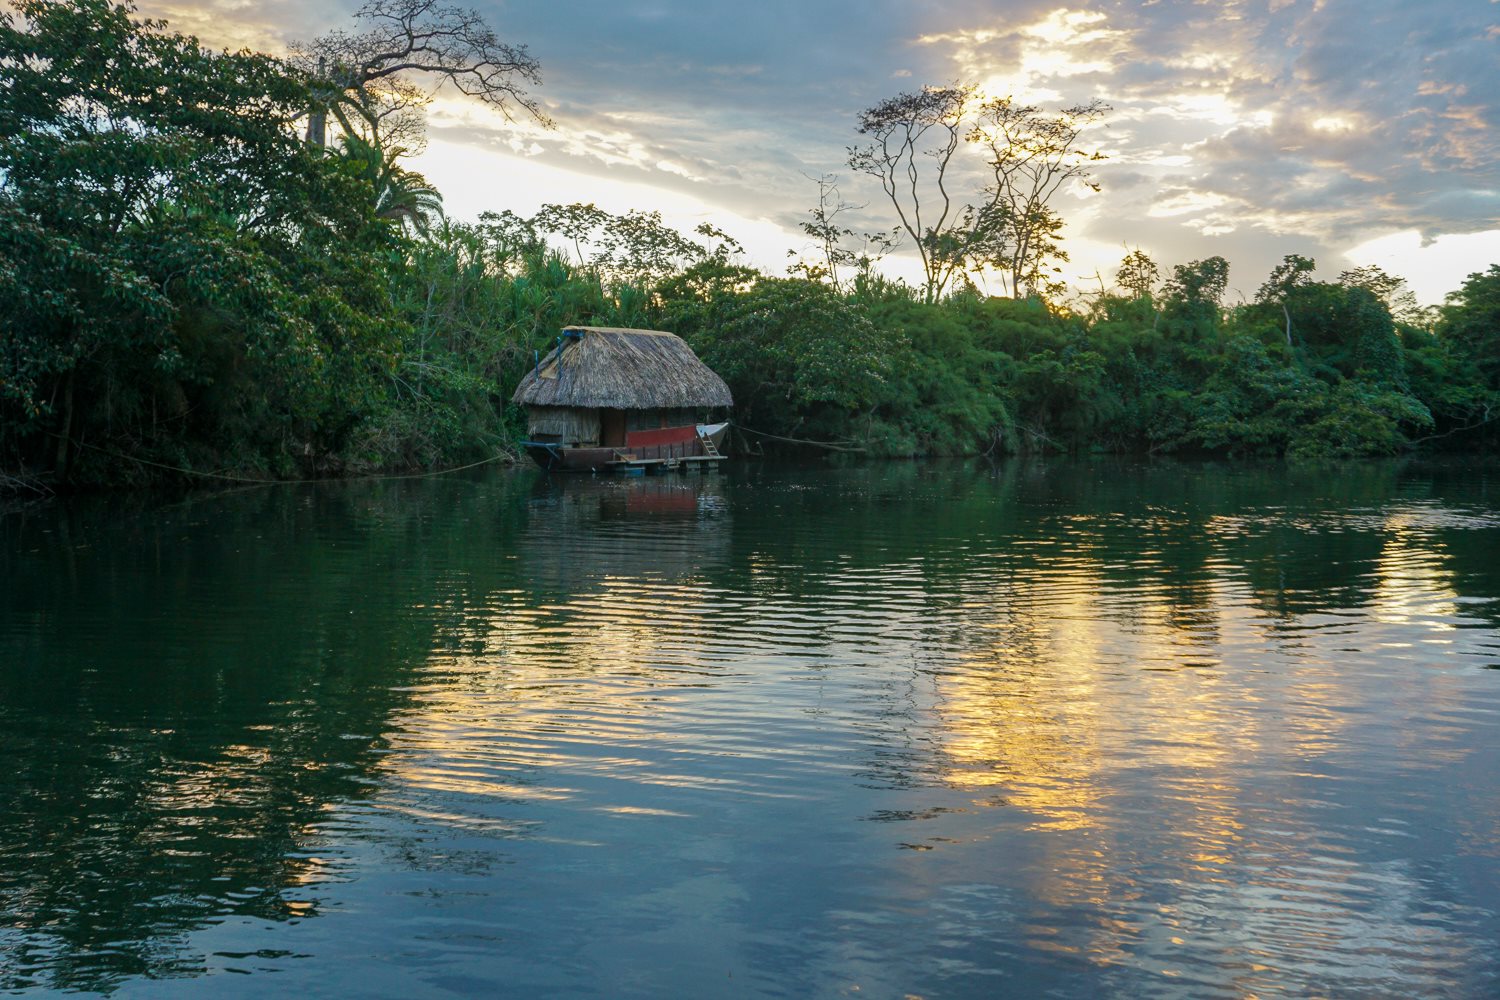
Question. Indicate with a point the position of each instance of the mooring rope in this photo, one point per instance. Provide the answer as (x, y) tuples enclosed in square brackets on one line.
[(816, 444), (286, 482)]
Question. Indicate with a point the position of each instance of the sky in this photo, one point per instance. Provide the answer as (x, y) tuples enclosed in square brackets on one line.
[(1350, 131)]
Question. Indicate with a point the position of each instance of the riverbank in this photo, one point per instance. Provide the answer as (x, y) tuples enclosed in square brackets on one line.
[(256, 305)]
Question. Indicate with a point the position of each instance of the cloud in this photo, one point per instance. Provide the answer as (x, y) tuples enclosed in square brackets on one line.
[(1244, 126), (1327, 122), (241, 24)]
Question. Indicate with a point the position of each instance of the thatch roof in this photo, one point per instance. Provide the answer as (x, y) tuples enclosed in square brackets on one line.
[(622, 369)]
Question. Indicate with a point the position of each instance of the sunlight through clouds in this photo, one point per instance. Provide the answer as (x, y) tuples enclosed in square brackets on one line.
[(476, 180), (1239, 129), (1023, 62), (1217, 109)]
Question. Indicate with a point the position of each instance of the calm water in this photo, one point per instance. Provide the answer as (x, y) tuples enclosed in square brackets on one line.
[(1092, 729)]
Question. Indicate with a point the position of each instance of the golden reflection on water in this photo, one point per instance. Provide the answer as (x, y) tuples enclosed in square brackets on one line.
[(1188, 723), (1051, 708), (1412, 582), (547, 690), (1233, 743)]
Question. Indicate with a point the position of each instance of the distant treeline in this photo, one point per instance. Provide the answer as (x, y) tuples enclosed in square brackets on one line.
[(188, 283)]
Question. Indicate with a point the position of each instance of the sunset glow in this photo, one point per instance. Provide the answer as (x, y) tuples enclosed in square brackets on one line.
[(1373, 121)]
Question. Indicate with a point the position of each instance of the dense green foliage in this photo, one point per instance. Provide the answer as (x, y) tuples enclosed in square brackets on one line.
[(182, 277), (187, 284)]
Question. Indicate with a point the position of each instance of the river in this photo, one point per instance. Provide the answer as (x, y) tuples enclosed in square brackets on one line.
[(1093, 728)]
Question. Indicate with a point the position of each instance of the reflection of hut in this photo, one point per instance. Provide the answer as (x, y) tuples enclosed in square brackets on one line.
[(587, 533), (615, 398)]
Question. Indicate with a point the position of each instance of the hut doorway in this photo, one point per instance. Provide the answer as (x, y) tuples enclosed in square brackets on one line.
[(612, 428)]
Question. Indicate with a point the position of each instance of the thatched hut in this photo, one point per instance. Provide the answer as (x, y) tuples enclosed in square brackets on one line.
[(635, 394)]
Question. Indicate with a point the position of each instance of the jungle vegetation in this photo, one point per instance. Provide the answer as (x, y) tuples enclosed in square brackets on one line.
[(217, 262)]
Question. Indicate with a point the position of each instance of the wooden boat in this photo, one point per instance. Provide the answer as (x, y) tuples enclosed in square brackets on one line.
[(715, 433)]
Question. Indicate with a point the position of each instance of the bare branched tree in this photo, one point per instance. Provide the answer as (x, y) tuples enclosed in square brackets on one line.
[(1029, 154), (1033, 154), (913, 139), (839, 247), (376, 82)]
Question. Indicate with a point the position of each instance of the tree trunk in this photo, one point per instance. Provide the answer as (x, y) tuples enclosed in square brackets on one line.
[(317, 116), (60, 465)]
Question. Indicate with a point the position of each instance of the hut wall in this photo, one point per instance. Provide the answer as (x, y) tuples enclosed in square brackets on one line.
[(563, 424), (650, 419)]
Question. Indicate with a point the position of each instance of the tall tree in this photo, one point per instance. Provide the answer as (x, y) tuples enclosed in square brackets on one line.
[(1389, 289), (1471, 323), (1193, 295), (1200, 281), (167, 245), (376, 81), (1032, 155), (1295, 271), (1009, 223), (1138, 275), (913, 138)]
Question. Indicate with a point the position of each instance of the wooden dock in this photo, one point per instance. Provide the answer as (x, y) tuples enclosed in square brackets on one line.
[(634, 464), (666, 449), (670, 455)]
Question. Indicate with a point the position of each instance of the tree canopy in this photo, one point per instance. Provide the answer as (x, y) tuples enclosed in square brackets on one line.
[(190, 288), (377, 81), (914, 148)]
